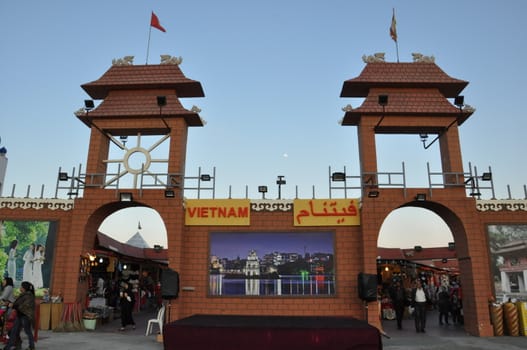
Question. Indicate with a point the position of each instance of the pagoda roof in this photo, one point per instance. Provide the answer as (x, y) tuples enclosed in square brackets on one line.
[(140, 105), (407, 102), (402, 75), (141, 77)]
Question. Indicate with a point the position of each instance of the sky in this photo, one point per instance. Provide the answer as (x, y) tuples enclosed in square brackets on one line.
[(272, 72)]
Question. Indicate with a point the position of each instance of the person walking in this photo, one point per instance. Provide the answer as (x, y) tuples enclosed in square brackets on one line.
[(398, 296), (443, 304), (419, 301), (127, 301), (24, 306)]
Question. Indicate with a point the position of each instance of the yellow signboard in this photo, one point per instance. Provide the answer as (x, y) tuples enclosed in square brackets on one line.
[(213, 212), (326, 212)]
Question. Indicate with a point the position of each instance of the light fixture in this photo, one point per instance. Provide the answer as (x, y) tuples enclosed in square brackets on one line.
[(262, 190), (126, 197), (125, 267), (459, 101), (386, 268), (420, 197), (338, 176), (418, 248), (170, 194), (158, 248), (475, 192), (486, 176), (205, 177), (88, 105), (383, 100), (423, 136), (451, 246), (63, 176), (373, 194), (101, 260), (161, 101), (280, 181), (444, 260)]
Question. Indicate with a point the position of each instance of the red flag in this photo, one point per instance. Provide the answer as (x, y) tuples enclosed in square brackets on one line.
[(393, 28), (154, 22)]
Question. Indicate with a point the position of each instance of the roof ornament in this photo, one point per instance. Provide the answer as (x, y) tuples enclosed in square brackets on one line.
[(347, 108), (376, 57), (420, 58), (125, 61), (167, 59)]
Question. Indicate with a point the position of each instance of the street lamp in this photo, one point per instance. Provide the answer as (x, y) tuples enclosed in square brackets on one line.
[(280, 181)]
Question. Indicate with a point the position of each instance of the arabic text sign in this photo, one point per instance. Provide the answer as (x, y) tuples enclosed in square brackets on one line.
[(326, 212), (212, 212)]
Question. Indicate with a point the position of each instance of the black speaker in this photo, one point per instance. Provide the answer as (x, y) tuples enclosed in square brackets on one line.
[(169, 284), (367, 285)]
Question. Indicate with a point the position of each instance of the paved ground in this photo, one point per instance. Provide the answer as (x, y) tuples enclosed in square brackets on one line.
[(436, 337)]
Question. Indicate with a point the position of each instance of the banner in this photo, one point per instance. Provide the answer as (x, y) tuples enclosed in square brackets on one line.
[(326, 212), (216, 212)]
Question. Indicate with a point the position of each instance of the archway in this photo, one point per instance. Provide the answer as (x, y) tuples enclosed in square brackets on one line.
[(130, 245), (415, 242)]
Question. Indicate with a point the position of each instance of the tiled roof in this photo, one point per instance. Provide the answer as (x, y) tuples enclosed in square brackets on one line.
[(144, 104), (130, 251), (413, 254), (408, 102), (401, 75), (139, 77)]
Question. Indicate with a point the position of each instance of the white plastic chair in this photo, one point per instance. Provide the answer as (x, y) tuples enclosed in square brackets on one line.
[(159, 321)]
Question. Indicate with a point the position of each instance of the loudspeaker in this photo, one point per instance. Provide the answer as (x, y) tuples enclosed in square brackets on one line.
[(367, 285), (169, 284)]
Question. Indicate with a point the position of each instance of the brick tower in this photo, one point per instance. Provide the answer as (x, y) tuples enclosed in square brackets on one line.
[(413, 98)]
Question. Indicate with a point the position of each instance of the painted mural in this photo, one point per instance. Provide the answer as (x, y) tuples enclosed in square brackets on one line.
[(27, 253), (508, 248)]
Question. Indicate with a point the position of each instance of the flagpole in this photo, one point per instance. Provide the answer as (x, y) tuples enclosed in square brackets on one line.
[(396, 38), (148, 46), (397, 50)]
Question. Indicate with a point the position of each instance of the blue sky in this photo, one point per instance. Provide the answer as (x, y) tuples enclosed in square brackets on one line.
[(272, 72)]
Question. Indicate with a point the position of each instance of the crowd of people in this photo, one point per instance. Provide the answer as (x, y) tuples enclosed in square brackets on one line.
[(131, 292), (419, 297)]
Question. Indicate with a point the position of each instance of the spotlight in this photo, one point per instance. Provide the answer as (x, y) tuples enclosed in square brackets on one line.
[(418, 248), (126, 197), (451, 245), (161, 101), (205, 177), (420, 197), (89, 105), (383, 100), (373, 194), (339, 176), (262, 189), (63, 176), (170, 194), (486, 176), (459, 101)]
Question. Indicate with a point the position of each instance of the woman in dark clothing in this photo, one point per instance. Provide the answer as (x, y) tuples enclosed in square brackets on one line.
[(398, 296), (127, 302), (25, 316), (443, 304)]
